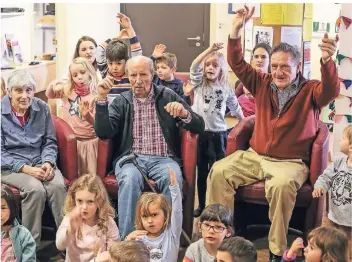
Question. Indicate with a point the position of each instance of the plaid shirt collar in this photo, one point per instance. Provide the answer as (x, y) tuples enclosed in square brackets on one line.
[(149, 98), (293, 86)]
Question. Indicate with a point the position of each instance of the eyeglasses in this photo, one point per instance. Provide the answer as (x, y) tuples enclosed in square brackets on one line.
[(216, 229)]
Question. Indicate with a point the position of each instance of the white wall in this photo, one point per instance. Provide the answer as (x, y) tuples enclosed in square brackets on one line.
[(328, 13), (75, 20)]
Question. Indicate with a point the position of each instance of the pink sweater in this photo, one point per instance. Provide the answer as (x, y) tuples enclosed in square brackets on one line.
[(83, 250), (70, 113)]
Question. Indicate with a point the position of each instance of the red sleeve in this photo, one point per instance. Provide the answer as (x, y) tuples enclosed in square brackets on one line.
[(250, 78)]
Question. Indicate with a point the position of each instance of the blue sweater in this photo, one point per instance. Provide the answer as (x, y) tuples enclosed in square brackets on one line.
[(22, 242)]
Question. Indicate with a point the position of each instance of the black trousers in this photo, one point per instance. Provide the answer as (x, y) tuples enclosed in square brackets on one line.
[(211, 148)]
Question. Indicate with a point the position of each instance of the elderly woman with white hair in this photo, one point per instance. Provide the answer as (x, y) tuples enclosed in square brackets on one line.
[(29, 152)]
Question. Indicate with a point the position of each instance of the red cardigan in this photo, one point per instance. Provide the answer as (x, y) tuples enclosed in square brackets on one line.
[(289, 135)]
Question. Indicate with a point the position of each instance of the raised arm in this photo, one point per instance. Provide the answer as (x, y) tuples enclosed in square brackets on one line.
[(244, 71), (196, 73), (106, 119), (125, 23), (329, 87), (176, 211)]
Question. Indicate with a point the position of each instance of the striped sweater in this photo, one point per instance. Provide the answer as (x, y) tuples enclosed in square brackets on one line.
[(134, 50)]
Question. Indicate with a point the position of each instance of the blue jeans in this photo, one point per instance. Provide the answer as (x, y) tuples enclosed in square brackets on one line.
[(131, 185)]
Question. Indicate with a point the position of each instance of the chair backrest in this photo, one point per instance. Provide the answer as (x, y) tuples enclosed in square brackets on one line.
[(184, 76)]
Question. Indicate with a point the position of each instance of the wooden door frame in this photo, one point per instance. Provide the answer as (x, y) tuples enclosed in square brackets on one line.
[(206, 22)]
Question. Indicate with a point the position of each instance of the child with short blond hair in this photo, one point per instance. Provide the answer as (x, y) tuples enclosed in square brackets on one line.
[(129, 251)]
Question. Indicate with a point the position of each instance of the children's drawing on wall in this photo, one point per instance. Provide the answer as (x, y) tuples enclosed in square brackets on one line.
[(321, 27), (263, 34)]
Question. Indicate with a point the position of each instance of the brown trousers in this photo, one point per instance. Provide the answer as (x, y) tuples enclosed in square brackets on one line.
[(282, 180)]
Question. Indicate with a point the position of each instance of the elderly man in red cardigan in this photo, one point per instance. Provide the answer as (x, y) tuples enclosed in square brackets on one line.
[(286, 123)]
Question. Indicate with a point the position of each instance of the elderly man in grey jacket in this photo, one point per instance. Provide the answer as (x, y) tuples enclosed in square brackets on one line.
[(29, 151)]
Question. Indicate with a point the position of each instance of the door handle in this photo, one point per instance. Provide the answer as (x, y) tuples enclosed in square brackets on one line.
[(194, 38)]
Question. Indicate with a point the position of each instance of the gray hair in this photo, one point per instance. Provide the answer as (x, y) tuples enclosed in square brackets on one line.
[(286, 48), (21, 78), (138, 59)]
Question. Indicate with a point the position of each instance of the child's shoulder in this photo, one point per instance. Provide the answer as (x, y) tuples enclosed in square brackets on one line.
[(340, 161)]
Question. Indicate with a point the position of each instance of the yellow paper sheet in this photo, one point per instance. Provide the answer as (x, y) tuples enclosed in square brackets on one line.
[(307, 29), (308, 10), (292, 14), (271, 14)]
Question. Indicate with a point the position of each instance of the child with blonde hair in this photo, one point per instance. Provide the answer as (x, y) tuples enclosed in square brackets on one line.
[(78, 110), (129, 251), (157, 225), (324, 245), (212, 93), (88, 229), (337, 177)]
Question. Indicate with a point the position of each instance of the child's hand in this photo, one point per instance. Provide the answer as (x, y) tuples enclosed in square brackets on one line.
[(104, 87), (173, 180), (318, 192), (187, 88), (83, 108), (217, 46), (136, 234), (58, 90), (158, 51), (123, 34), (102, 256), (75, 220), (296, 246), (123, 20)]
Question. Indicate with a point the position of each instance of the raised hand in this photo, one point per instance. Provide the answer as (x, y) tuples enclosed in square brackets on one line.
[(239, 19), (136, 234), (328, 47), (296, 246), (318, 192), (75, 220), (58, 90), (84, 108), (176, 109), (104, 87), (123, 20), (102, 256), (187, 88), (173, 180), (158, 51), (217, 46), (122, 34)]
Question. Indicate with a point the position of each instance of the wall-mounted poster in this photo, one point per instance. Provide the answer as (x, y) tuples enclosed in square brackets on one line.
[(263, 34), (306, 59), (292, 36)]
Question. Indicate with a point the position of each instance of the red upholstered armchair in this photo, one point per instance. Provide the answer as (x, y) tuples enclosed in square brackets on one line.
[(250, 200), (189, 157)]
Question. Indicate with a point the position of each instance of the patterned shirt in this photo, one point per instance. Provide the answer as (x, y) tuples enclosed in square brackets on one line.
[(148, 138), (7, 251), (287, 93)]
